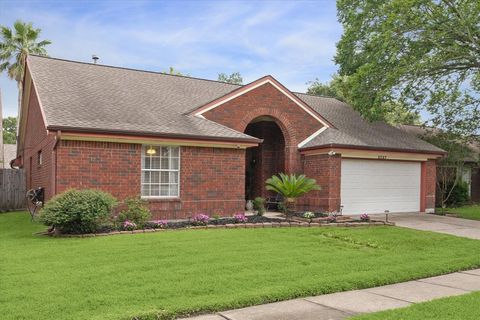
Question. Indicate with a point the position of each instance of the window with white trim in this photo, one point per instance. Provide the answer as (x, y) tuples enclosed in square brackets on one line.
[(160, 171)]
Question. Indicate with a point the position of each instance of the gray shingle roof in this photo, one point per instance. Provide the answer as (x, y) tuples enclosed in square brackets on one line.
[(352, 129), (95, 97)]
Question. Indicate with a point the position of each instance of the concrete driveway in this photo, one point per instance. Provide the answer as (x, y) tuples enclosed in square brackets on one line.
[(430, 222)]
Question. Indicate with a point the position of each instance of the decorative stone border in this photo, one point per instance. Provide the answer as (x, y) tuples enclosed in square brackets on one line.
[(285, 224)]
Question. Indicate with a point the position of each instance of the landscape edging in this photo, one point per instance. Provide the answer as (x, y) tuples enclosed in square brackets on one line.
[(233, 226)]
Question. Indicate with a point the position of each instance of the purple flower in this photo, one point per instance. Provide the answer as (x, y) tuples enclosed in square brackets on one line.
[(160, 224), (128, 225), (200, 219), (364, 217), (240, 218)]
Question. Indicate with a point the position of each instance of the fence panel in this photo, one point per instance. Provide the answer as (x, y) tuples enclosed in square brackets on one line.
[(12, 189)]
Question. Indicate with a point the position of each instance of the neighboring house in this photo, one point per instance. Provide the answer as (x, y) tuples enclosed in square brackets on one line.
[(191, 145), (471, 170), (8, 154)]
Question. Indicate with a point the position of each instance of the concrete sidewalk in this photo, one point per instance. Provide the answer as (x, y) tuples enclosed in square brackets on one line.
[(343, 305)]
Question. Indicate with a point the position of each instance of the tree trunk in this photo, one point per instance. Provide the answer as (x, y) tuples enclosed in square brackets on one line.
[(19, 85)]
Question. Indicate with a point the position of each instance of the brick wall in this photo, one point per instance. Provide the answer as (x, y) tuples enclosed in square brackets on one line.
[(327, 171), (429, 183), (211, 179), (266, 100), (38, 139)]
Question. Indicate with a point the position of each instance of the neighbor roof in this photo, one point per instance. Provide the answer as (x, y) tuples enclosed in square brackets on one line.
[(84, 96)]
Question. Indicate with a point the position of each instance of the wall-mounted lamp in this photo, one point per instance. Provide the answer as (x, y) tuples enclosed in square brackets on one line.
[(151, 151)]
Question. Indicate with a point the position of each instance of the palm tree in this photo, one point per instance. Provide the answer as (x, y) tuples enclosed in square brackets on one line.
[(291, 187), (15, 45)]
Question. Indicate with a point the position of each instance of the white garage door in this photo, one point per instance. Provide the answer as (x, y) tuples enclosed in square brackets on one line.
[(371, 186)]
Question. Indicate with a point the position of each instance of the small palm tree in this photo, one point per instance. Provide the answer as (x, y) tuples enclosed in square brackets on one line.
[(291, 187), (15, 45)]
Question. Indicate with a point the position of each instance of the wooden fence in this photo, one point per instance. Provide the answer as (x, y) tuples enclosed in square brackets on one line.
[(12, 189)]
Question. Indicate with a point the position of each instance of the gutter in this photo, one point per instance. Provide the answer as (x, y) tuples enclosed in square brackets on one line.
[(153, 134), (346, 146)]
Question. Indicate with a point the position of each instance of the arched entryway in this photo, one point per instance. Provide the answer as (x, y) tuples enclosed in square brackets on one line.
[(265, 160)]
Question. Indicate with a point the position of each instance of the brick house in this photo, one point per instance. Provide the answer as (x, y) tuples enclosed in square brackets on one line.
[(191, 145)]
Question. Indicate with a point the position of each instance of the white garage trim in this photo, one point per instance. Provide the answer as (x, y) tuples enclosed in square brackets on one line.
[(373, 186)]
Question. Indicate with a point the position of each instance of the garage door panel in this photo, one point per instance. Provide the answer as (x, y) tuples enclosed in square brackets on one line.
[(370, 186)]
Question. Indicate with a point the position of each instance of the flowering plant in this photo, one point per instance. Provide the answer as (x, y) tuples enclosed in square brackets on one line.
[(200, 219), (159, 224), (364, 217), (128, 225), (309, 215), (240, 218)]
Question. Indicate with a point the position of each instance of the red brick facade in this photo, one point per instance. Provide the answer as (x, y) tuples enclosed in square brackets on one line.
[(327, 171), (212, 179), (38, 140), (266, 100)]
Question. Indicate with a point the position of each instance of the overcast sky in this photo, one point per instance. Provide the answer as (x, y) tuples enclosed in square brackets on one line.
[(292, 40)]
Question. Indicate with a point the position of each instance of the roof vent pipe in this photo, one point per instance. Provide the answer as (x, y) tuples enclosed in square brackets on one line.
[(95, 58)]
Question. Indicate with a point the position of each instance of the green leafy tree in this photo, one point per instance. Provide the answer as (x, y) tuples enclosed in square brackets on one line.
[(291, 187), (421, 53), (173, 71), (9, 130), (450, 167), (234, 78), (395, 112), (15, 45)]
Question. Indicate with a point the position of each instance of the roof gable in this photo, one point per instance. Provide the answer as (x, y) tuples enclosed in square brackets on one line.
[(253, 85)]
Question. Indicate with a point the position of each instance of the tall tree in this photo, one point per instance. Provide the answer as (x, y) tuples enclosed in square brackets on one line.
[(421, 53), (15, 45), (234, 78), (395, 112), (9, 131), (174, 72)]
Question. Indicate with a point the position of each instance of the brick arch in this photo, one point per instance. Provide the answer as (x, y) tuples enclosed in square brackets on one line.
[(278, 117), (266, 100)]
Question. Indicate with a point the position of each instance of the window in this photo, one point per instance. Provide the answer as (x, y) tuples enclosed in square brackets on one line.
[(160, 171), (39, 158)]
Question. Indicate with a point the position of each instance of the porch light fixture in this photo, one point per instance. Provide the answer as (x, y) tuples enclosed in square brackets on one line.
[(151, 151)]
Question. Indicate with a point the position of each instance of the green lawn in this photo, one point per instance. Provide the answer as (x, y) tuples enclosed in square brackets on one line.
[(465, 307), (467, 212), (121, 276)]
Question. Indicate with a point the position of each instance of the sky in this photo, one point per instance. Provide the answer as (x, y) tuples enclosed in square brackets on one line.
[(294, 41)]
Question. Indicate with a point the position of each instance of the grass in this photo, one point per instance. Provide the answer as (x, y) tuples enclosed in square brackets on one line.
[(464, 307), (182, 272), (471, 212)]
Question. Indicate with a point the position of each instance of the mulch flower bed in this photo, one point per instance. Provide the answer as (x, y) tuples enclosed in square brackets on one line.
[(232, 223)]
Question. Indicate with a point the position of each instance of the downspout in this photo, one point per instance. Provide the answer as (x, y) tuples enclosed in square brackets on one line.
[(58, 138)]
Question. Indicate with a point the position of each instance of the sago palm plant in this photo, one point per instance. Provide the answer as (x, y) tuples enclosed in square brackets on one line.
[(291, 187)]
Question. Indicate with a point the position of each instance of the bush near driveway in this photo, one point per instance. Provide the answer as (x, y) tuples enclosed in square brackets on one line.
[(120, 277)]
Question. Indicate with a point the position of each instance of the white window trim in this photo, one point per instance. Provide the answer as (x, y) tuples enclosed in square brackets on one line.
[(161, 170)]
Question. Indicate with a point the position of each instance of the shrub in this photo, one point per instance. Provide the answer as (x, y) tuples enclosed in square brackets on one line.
[(136, 212), (240, 218), (78, 211), (259, 205), (309, 215), (200, 219), (459, 195)]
